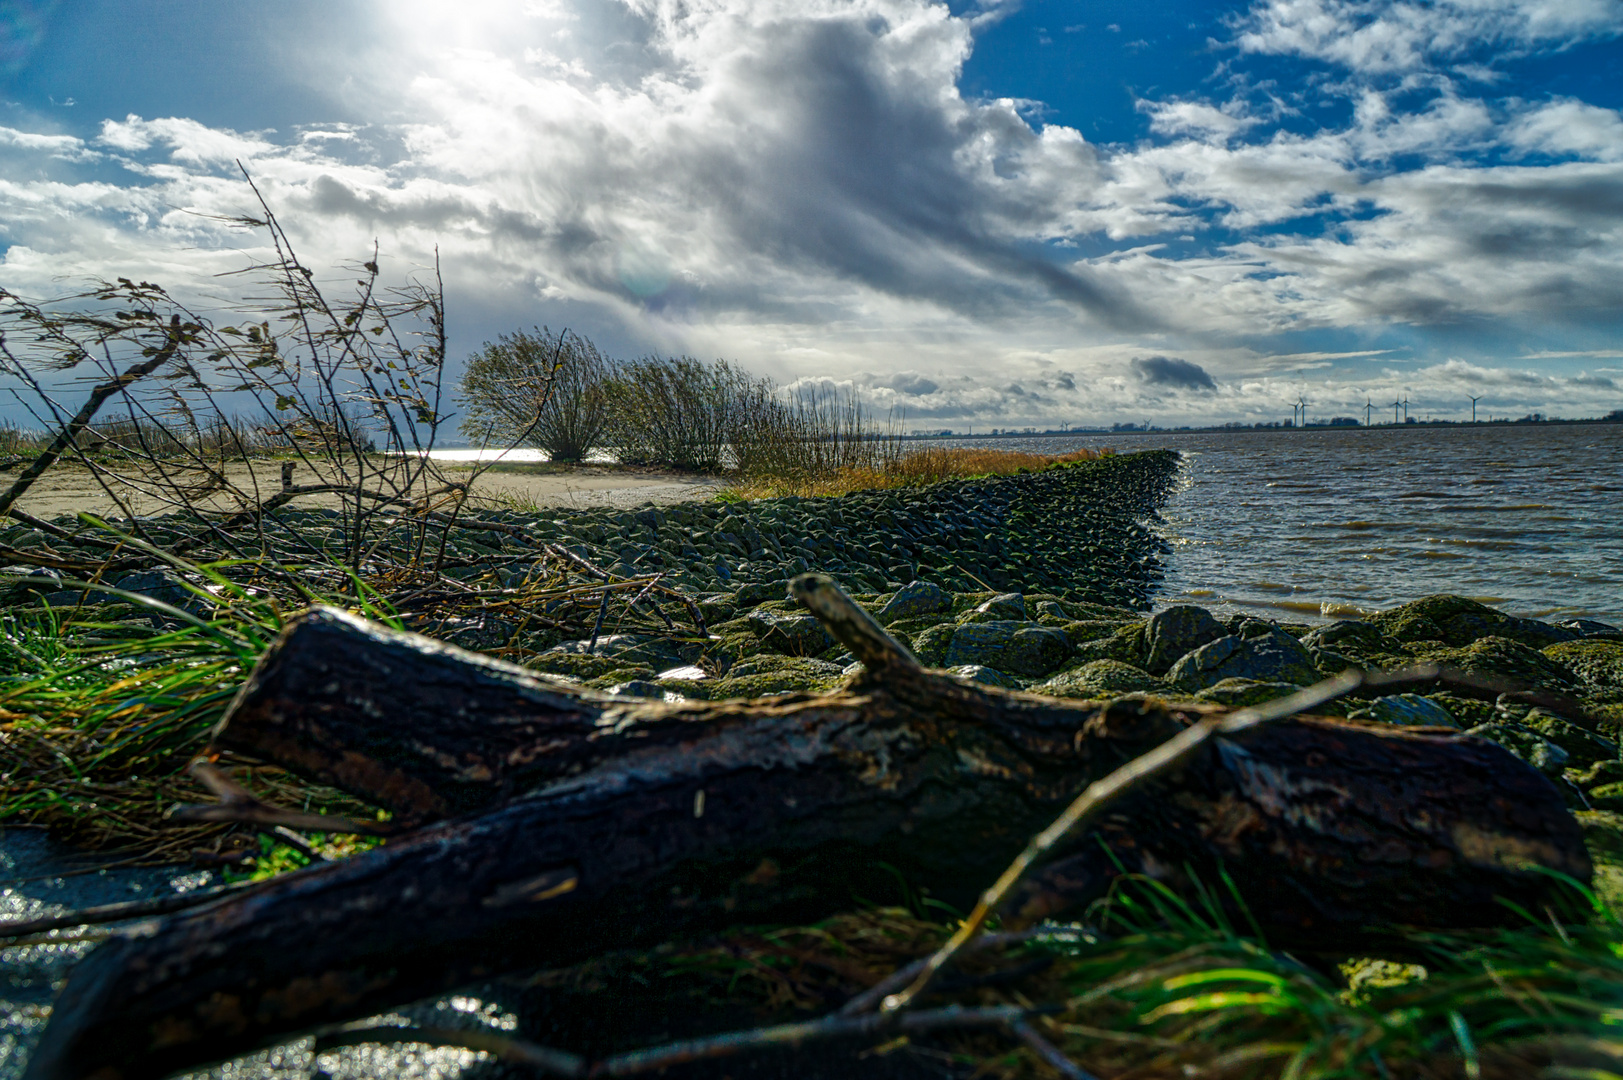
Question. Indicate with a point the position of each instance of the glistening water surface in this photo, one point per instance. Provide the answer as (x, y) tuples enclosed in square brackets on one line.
[(1327, 523)]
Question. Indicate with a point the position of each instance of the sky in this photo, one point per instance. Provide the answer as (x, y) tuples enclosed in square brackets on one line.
[(979, 214)]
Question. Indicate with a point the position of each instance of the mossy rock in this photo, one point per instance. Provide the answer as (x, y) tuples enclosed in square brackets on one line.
[(1017, 648), (1526, 744), (1467, 712), (620, 675), (1506, 659), (589, 669), (771, 674), (1098, 679), (1609, 719), (930, 644), (1082, 631), (1125, 644), (1583, 747), (1603, 836), (1239, 693), (1457, 621), (968, 601), (1407, 710), (911, 627), (1597, 661)]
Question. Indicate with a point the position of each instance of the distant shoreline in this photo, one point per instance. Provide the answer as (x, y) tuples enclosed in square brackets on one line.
[(1241, 429)]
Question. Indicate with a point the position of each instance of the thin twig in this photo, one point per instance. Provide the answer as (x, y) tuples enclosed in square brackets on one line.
[(904, 975), (1047, 1051), (658, 1058), (67, 437)]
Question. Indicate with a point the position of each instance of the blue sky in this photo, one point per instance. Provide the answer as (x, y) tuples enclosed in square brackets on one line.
[(996, 214)]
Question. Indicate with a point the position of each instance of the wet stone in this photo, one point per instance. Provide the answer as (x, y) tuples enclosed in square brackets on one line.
[(1020, 648), (913, 600), (1176, 631), (1004, 606), (1408, 710), (791, 635), (984, 675), (1269, 656)]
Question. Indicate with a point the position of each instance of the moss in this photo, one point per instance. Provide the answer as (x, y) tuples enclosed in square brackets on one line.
[(930, 645), (1100, 679), (1126, 644), (1506, 659), (616, 676), (1603, 836), (1457, 621), (588, 669), (1467, 712), (1584, 748), (912, 626), (1238, 693), (1597, 661)]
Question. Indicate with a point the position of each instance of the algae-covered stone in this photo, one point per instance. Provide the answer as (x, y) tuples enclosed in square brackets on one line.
[(1240, 693), (1597, 661), (1458, 621), (1270, 656), (1603, 836), (911, 601), (1004, 606), (984, 675), (1125, 643), (1349, 637), (791, 635), (930, 644), (1508, 660), (1100, 679), (1583, 748), (1018, 647), (769, 674), (1528, 745), (1176, 631)]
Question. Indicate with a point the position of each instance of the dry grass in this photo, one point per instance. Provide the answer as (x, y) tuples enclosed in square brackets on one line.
[(927, 465)]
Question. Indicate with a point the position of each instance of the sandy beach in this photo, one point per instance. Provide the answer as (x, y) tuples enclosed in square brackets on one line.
[(71, 488)]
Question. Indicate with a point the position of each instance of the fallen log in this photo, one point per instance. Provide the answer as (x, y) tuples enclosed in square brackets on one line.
[(594, 823)]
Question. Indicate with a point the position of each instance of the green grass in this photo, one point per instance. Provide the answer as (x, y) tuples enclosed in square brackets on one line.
[(100, 716)]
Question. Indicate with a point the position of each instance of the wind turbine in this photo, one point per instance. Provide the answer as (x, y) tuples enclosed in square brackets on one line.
[(1474, 400), (1301, 403), (1368, 408), (1395, 405), (1406, 410)]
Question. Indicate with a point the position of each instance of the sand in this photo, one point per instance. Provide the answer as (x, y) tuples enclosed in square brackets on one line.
[(71, 488)]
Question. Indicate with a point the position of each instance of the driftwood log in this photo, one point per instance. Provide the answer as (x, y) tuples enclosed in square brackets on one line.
[(575, 823)]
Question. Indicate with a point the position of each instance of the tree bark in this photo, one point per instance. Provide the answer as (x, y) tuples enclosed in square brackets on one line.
[(593, 823)]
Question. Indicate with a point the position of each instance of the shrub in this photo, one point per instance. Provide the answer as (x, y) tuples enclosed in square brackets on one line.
[(682, 412), (540, 389)]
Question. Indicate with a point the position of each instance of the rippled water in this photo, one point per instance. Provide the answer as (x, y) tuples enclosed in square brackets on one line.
[(1328, 523)]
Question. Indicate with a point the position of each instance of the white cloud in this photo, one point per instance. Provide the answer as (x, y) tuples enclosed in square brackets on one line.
[(803, 187), (1382, 37)]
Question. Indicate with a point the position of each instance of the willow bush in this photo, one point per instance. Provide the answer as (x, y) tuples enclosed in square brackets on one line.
[(540, 389)]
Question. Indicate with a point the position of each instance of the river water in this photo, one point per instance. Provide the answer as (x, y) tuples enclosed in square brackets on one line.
[(1317, 524)]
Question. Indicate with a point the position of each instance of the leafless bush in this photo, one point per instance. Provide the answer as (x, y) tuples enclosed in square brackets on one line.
[(680, 412)]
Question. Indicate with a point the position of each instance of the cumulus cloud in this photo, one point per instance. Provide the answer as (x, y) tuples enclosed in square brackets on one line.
[(1383, 37), (1171, 371), (802, 186)]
